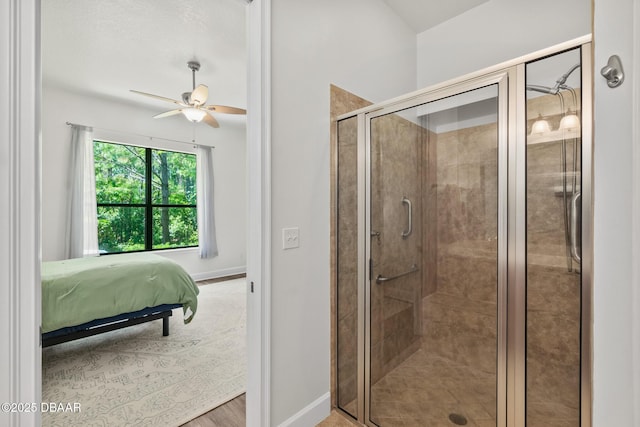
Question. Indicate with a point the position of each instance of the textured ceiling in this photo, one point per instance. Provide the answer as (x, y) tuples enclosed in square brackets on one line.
[(424, 14), (106, 47)]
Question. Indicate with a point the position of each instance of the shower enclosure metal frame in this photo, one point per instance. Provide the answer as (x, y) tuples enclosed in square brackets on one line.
[(500, 78), (512, 140)]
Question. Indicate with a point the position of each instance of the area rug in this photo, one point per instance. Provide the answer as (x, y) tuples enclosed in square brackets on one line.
[(136, 377)]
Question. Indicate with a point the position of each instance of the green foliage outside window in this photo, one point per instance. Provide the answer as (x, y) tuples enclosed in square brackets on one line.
[(146, 198)]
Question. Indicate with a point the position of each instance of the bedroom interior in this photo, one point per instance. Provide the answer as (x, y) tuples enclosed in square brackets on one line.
[(196, 49), (87, 80)]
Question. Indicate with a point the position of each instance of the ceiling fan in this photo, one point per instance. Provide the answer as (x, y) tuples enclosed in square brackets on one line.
[(193, 104)]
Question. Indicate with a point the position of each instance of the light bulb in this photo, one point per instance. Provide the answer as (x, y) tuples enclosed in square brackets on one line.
[(540, 126), (570, 122), (194, 114)]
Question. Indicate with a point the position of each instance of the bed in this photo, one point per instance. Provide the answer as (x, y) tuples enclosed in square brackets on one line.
[(88, 296)]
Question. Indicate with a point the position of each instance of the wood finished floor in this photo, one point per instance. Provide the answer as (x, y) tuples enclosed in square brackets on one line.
[(231, 414), (336, 419)]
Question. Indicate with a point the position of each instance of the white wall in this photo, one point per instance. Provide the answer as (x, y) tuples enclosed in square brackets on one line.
[(614, 401), (361, 46), (497, 31), (60, 106)]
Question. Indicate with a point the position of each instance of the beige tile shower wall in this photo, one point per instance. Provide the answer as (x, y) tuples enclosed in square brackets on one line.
[(545, 214), (553, 292), (549, 105), (344, 260), (467, 185), (396, 310), (460, 317), (553, 346), (347, 262), (429, 220)]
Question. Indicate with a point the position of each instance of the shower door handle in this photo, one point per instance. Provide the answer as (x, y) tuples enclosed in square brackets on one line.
[(409, 230), (574, 229)]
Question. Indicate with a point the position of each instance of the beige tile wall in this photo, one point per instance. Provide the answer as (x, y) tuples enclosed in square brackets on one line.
[(460, 318), (553, 292), (344, 249), (395, 173)]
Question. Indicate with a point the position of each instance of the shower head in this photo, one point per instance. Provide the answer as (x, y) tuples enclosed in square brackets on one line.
[(560, 83)]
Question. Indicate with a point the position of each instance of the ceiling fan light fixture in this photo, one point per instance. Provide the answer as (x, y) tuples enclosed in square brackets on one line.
[(194, 114), (193, 104)]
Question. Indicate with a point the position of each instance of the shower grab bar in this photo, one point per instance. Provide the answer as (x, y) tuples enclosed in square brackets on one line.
[(575, 204), (409, 230), (382, 279)]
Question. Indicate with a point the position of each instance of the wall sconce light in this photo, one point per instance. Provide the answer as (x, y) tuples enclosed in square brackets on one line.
[(540, 126), (570, 122)]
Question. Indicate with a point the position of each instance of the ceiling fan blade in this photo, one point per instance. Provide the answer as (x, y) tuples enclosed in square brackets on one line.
[(211, 121), (199, 95), (168, 113), (162, 98), (226, 110)]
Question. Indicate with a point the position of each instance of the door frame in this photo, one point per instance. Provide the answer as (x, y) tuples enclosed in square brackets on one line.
[(20, 250), (258, 409), (20, 307)]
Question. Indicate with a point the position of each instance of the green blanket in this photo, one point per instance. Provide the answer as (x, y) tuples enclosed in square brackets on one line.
[(80, 290)]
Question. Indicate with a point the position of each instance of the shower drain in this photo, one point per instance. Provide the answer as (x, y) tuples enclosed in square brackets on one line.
[(458, 419)]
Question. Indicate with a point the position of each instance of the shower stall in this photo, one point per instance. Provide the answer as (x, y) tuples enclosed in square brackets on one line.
[(462, 250)]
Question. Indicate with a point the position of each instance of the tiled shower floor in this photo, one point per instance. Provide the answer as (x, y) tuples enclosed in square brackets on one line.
[(452, 372), (425, 389)]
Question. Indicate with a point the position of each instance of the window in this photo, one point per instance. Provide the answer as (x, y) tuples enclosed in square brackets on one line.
[(146, 198)]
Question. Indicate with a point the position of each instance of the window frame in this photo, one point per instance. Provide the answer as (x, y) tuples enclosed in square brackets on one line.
[(148, 205)]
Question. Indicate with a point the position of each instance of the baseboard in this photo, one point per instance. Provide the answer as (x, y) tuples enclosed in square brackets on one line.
[(311, 414), (220, 273)]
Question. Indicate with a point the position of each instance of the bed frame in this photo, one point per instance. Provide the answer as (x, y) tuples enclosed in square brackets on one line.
[(107, 324)]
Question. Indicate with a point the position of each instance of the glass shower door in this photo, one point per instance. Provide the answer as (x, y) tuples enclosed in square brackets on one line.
[(554, 245), (435, 240)]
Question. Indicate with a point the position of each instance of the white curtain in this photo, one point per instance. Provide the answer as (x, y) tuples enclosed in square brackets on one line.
[(82, 228), (206, 222)]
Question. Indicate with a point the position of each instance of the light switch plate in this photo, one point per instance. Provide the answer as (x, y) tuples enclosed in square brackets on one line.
[(290, 238)]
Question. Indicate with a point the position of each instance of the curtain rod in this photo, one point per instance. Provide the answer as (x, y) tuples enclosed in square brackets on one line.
[(193, 143)]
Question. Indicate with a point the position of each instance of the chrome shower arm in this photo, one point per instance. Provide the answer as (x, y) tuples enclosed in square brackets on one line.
[(563, 79), (560, 83), (542, 89)]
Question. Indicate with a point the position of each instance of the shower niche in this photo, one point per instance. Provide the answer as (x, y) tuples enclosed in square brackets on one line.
[(462, 245)]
